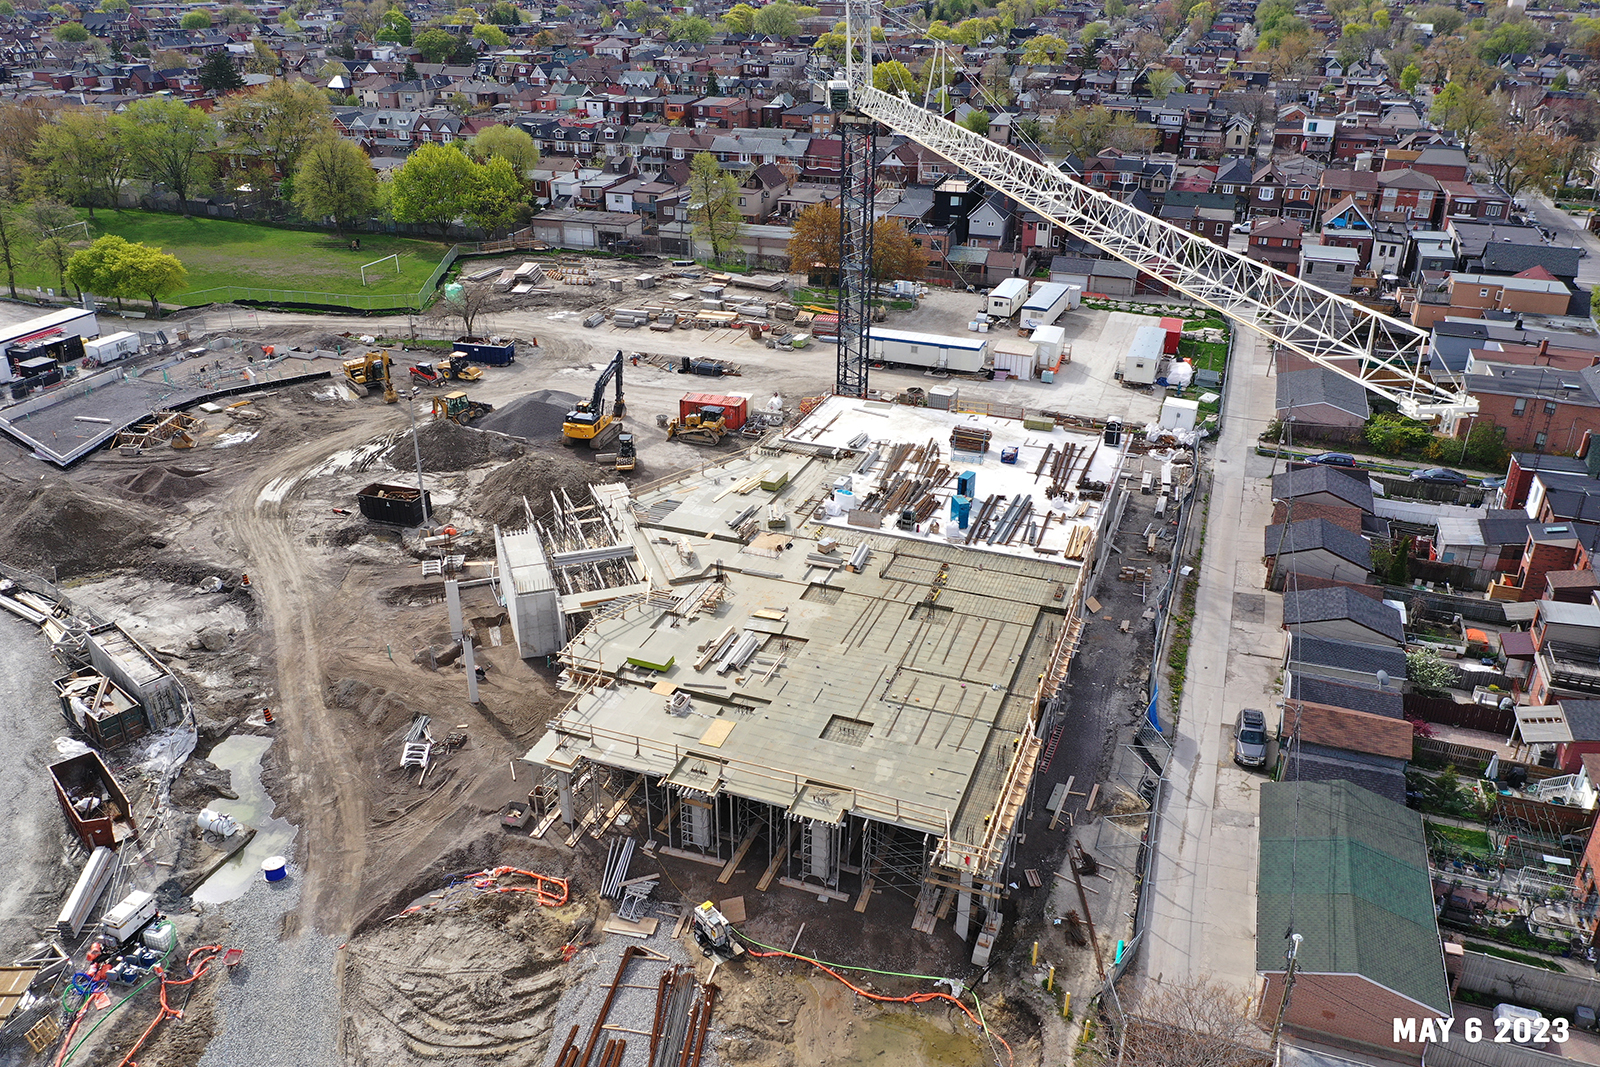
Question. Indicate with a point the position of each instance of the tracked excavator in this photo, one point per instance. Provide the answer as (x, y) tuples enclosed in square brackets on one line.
[(365, 372), (590, 424)]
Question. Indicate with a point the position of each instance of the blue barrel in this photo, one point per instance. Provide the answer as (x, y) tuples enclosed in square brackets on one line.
[(276, 868)]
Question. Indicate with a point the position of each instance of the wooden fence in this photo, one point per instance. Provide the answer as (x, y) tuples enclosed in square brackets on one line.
[(1446, 712)]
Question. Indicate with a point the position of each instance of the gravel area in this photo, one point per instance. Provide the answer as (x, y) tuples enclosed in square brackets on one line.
[(279, 1007), (591, 974), (535, 417)]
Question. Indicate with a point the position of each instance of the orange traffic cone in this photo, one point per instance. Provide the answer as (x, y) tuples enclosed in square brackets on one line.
[(244, 579), (266, 713)]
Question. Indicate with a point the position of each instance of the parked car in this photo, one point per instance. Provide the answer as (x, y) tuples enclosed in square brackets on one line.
[(1333, 459), (1439, 474), (1492, 483), (1250, 739), (1241, 227)]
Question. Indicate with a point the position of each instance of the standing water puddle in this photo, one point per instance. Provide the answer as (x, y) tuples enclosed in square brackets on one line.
[(241, 754)]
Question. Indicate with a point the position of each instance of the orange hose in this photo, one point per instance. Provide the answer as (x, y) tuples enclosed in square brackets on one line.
[(915, 998), (167, 1011)]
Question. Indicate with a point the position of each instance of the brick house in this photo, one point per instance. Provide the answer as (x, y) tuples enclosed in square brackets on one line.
[(1336, 184), (1208, 222), (723, 112), (1410, 193), (1369, 958), (1276, 242)]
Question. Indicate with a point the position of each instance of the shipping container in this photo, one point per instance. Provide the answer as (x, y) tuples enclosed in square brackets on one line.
[(1046, 305), (736, 409), (932, 351), (1016, 358), (1142, 363), (1174, 331), (70, 322), (1007, 298)]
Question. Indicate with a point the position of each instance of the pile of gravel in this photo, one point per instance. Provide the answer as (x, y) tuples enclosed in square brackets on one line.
[(535, 417), (449, 446), (281, 1006)]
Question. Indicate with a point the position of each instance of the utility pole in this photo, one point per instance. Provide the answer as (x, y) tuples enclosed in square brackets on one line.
[(1288, 987), (416, 448)]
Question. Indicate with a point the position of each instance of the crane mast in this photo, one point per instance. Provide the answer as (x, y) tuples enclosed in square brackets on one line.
[(1385, 355)]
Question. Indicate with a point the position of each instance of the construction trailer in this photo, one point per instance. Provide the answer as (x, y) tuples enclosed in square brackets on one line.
[(1047, 304), (738, 726), (1141, 364), (1007, 298), (69, 322), (906, 348), (111, 348)]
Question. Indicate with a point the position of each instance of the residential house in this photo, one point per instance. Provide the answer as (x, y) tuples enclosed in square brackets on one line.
[(1329, 266), (1337, 744), (1341, 613), (1320, 484), (1347, 225), (1367, 958), (1369, 699), (760, 192), (1409, 194), (1478, 201), (1210, 223), (1566, 641), (1540, 408), (1276, 242), (1359, 664), (1337, 184), (1318, 396), (1463, 295), (991, 222), (722, 112), (1550, 548)]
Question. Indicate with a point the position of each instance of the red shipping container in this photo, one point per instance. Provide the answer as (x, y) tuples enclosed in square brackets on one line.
[(735, 409), (1174, 328)]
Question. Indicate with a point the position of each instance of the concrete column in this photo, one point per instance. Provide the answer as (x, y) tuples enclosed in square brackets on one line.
[(564, 788), (963, 907)]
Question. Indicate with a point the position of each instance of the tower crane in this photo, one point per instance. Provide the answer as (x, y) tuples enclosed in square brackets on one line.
[(1385, 355)]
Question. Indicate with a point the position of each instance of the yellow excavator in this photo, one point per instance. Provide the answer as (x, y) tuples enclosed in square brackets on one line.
[(364, 372), (589, 423)]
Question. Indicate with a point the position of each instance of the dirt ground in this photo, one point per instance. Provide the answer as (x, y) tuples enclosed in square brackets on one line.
[(333, 632)]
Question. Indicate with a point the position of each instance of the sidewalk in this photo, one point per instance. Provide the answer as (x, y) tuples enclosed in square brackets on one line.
[(1204, 877)]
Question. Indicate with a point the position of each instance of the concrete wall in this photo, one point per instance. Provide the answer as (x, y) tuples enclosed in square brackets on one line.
[(536, 619), (1532, 987)]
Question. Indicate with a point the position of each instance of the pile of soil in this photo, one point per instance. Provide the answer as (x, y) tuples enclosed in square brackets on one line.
[(449, 446), (57, 524), (535, 417), (168, 486), (498, 501)]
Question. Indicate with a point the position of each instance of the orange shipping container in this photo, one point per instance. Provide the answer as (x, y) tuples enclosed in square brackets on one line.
[(735, 409)]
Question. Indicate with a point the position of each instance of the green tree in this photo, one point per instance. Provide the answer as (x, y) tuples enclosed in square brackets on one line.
[(436, 45), (713, 86), (1486, 447), (508, 143), (1410, 78), (1464, 109), (778, 19), (276, 122), (82, 157), (491, 35), (563, 11), (1047, 49), (43, 221), (171, 144), (976, 121), (235, 15), (740, 18), (1425, 670), (395, 27), (196, 20), (714, 205), (1160, 82), (1396, 435), (218, 74), (102, 268), (433, 187), (892, 76), (1444, 20), (111, 6), (335, 180), (503, 14), (154, 273), (495, 194), (691, 28), (70, 33), (1512, 37)]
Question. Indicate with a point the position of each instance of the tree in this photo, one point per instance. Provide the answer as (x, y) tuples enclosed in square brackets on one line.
[(894, 254), (1161, 81), (1444, 20), (740, 18), (235, 15), (335, 181), (491, 35), (11, 239), (1512, 37), (503, 14), (276, 122), (196, 20), (494, 195), (713, 87), (1486, 447), (433, 186), (82, 158), (778, 19), (893, 76), (70, 33), (43, 221), (814, 245), (714, 204), (171, 143), (155, 274), (19, 132), (1464, 109), (218, 74), (1246, 38), (508, 143), (1047, 49), (264, 61), (1425, 670), (1086, 132), (101, 268), (1198, 1024), (976, 121), (1410, 78), (691, 28), (436, 45), (394, 27)]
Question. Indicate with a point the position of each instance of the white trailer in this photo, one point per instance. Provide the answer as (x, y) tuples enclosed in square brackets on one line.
[(1051, 342), (1016, 358), (65, 323), (112, 347), (1142, 363), (1046, 305), (1007, 298), (906, 348)]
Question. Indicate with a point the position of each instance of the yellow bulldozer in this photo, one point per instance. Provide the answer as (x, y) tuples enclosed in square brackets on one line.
[(708, 426), (364, 372)]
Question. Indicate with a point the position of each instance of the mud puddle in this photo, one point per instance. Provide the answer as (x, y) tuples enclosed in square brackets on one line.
[(241, 754)]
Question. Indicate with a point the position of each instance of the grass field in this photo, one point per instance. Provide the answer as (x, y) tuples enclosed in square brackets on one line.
[(220, 253)]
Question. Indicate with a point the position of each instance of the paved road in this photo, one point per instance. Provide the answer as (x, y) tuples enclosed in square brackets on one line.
[(1203, 919), (1569, 231)]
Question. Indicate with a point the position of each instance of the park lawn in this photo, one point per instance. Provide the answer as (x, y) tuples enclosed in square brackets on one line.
[(222, 252)]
